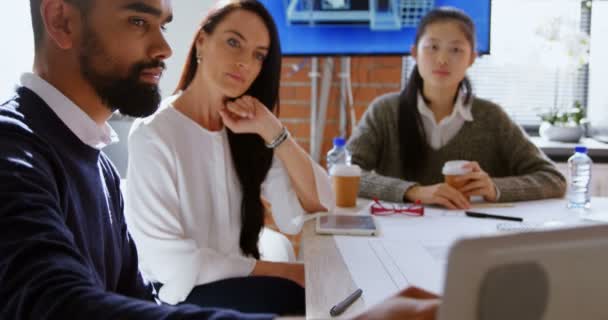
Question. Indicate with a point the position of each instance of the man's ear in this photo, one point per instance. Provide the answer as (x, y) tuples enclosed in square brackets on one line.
[(61, 22)]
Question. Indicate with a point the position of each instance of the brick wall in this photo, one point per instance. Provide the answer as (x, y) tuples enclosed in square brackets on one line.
[(370, 77)]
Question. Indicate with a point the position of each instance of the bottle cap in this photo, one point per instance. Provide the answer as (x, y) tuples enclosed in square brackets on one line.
[(580, 149), (339, 142)]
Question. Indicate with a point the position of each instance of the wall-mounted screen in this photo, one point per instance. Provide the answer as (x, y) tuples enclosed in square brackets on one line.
[(363, 27)]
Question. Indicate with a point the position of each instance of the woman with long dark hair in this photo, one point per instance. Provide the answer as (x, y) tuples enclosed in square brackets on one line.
[(405, 138), (200, 167)]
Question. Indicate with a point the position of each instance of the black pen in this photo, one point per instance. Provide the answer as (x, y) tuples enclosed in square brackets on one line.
[(493, 216), (343, 305)]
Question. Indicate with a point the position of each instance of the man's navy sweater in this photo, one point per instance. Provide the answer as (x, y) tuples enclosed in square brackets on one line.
[(65, 252)]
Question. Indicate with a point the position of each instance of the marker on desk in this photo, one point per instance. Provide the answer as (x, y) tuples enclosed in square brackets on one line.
[(343, 305), (493, 216)]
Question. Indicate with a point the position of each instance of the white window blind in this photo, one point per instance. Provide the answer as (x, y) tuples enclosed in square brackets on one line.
[(520, 75)]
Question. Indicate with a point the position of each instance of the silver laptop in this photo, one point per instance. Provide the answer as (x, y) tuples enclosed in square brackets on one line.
[(557, 275)]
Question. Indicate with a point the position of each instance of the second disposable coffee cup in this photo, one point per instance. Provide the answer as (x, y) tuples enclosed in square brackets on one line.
[(454, 169), (345, 182)]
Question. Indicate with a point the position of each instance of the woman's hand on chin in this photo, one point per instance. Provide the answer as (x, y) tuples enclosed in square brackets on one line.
[(248, 115)]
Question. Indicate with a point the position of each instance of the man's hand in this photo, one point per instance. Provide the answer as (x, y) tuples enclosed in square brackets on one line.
[(410, 304)]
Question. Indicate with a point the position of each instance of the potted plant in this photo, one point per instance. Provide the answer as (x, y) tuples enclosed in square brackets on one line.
[(563, 126), (565, 47)]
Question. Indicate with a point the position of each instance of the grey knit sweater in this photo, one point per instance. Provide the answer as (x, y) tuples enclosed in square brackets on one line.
[(518, 168)]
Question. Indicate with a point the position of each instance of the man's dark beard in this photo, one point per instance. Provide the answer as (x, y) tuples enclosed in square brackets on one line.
[(129, 95)]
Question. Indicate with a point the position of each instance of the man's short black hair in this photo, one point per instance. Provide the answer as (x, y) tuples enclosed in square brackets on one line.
[(38, 25)]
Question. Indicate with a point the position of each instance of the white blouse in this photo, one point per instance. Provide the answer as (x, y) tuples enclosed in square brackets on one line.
[(183, 203), (439, 134)]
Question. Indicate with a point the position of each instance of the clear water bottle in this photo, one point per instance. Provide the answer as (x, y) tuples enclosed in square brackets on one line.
[(579, 172), (338, 154)]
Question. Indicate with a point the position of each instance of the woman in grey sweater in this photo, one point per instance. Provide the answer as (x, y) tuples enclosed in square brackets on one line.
[(405, 138)]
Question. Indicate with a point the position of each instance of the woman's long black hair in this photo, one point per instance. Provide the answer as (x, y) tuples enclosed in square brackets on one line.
[(413, 141), (251, 158)]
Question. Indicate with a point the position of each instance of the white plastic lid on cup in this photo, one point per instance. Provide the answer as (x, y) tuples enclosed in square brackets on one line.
[(345, 170), (455, 168)]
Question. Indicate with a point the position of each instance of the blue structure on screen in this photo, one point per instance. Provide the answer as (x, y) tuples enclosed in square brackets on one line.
[(363, 27)]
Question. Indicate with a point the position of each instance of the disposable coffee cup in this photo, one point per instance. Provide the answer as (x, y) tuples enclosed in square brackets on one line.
[(345, 182), (454, 169)]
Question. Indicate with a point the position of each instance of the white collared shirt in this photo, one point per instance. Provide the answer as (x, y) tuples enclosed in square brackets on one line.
[(439, 134), (85, 128)]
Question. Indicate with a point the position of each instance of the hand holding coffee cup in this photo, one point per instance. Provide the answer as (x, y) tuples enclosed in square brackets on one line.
[(440, 194), (345, 182), (449, 194), (477, 183), (454, 172)]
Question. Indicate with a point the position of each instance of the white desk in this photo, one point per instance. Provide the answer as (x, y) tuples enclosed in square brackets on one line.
[(328, 276)]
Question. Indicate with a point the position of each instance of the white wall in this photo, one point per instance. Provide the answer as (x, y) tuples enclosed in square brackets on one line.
[(17, 51), (187, 17), (598, 68)]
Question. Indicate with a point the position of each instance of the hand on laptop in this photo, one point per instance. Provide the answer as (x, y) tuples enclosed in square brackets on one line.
[(410, 304)]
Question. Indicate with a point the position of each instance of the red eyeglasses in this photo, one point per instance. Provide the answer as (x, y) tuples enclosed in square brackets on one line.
[(415, 209)]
